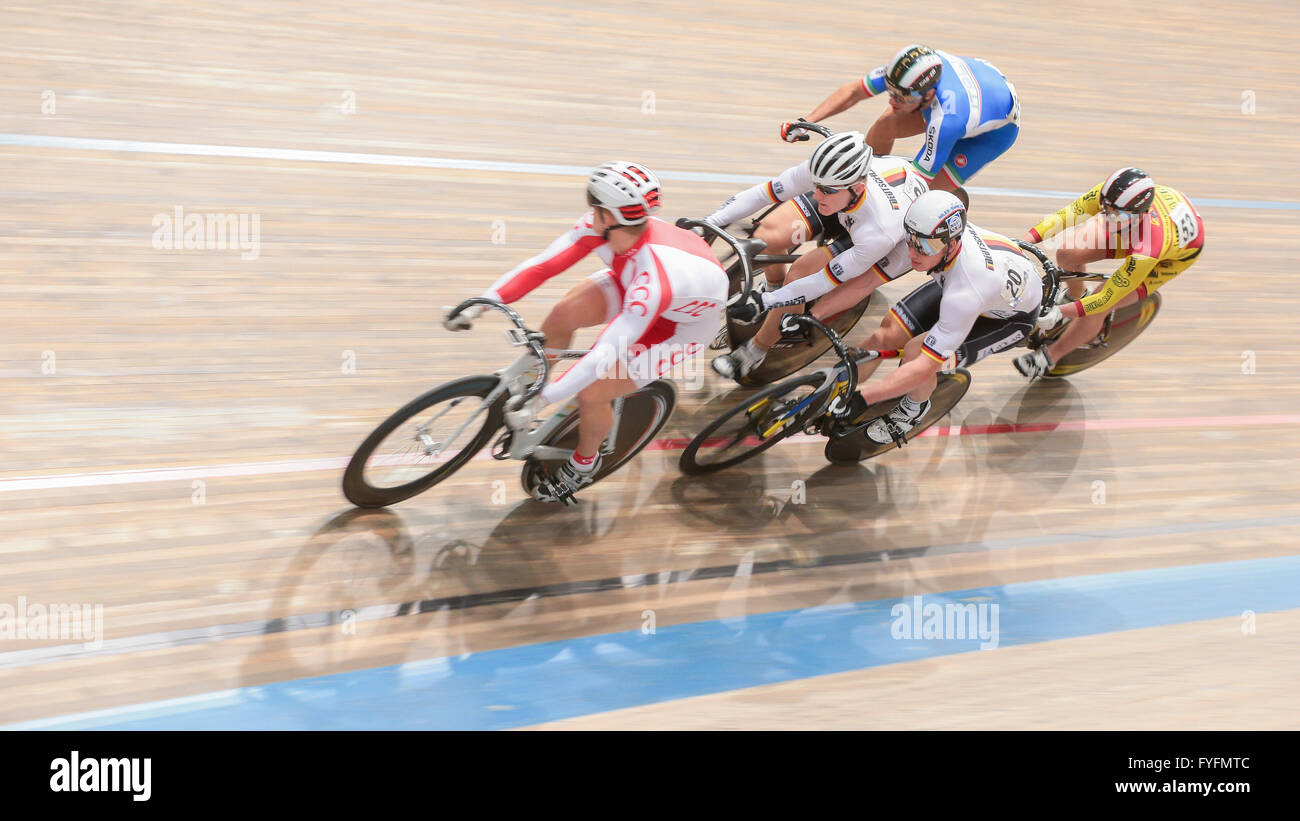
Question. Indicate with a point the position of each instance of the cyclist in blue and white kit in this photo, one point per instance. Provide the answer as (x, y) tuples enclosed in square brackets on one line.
[(968, 112)]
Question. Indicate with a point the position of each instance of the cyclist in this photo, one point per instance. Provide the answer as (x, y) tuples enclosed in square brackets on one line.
[(1154, 226), (661, 298), (983, 297), (966, 108), (867, 196)]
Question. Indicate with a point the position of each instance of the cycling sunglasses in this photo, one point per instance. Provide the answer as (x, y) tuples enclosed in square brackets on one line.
[(926, 246), (828, 190), (1115, 212), (898, 95)]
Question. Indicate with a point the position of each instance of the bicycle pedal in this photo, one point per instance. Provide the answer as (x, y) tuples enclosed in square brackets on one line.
[(721, 342)]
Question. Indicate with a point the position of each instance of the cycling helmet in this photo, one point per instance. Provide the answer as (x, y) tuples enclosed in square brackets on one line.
[(934, 220), (1129, 190), (914, 71), (627, 190), (841, 159)]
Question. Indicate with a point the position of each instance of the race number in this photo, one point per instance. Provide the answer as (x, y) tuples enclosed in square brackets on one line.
[(1013, 290), (1185, 221)]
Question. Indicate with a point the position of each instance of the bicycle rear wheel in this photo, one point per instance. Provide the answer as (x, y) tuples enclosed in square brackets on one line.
[(1128, 323), (426, 441), (644, 414), (848, 450), (756, 424)]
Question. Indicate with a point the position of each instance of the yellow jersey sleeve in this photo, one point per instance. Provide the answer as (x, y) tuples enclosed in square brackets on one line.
[(1076, 212), (1123, 282)]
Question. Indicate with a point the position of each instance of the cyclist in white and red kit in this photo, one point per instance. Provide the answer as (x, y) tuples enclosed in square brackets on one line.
[(662, 296)]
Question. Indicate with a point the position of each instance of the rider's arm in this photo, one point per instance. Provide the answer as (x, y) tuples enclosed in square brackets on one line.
[(853, 263), (847, 96), (941, 133), (1129, 278), (559, 256), (1076, 212), (791, 183), (649, 296)]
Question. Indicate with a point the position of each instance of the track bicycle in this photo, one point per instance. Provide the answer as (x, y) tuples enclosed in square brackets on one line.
[(439, 432)]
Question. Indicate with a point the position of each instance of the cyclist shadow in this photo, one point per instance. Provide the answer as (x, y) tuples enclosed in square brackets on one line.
[(376, 588)]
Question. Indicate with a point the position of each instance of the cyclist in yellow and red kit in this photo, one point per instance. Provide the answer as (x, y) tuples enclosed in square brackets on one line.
[(1155, 228)]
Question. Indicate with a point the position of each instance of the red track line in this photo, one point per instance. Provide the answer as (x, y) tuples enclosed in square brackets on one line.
[(190, 472)]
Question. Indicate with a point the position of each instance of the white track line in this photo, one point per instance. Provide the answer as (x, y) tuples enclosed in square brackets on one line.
[(411, 161)]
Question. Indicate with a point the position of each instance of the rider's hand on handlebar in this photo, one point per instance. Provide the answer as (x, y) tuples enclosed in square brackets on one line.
[(462, 321), (697, 229), (1050, 320), (791, 133)]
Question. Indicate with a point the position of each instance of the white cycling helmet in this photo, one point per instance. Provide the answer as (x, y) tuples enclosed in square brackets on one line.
[(841, 159), (627, 190), (934, 220)]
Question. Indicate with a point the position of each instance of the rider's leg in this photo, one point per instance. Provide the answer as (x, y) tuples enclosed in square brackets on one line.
[(786, 227), (593, 301), (911, 351), (596, 413), (891, 335), (845, 296), (894, 125), (807, 265)]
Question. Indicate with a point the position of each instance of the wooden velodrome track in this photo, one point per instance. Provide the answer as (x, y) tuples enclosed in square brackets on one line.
[(175, 422)]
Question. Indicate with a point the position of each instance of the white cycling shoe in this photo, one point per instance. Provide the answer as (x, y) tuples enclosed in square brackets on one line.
[(1034, 364), (892, 429), (567, 480), (737, 364)]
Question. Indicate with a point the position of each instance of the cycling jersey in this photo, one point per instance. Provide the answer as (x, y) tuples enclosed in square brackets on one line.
[(987, 300), (668, 288), (974, 118), (1159, 245), (876, 240)]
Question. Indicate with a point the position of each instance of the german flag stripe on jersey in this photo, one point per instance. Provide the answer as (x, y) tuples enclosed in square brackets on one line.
[(896, 177), (771, 195), (932, 353), (998, 244), (830, 276), (880, 272)]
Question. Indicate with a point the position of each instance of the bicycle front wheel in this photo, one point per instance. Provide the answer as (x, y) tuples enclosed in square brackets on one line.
[(756, 424), (426, 441)]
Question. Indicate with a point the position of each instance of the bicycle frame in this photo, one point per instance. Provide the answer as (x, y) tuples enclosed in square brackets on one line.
[(513, 380)]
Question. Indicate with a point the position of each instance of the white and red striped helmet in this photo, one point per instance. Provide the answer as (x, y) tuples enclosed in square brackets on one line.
[(628, 190), (1130, 190)]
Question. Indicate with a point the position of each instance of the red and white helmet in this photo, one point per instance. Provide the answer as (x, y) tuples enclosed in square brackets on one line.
[(627, 190)]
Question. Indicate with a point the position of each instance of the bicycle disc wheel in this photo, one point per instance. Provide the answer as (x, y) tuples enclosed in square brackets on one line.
[(847, 450), (644, 414), (789, 356), (1129, 322), (756, 424), (426, 441)]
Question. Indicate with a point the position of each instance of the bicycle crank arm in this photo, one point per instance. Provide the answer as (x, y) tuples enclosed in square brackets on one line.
[(546, 452)]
